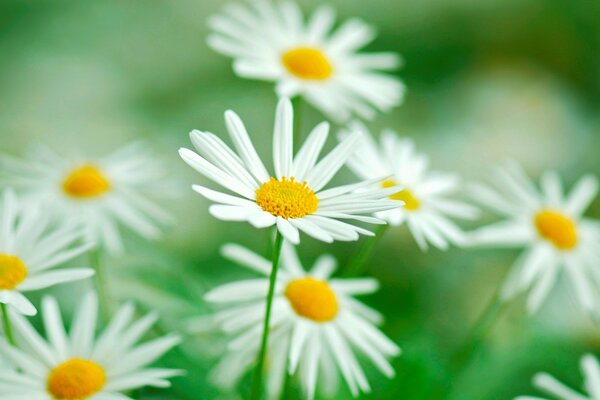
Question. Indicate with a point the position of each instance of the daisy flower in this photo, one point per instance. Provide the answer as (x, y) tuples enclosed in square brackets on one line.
[(30, 250), (293, 197), (550, 225), (427, 210), (551, 386), (316, 328), (271, 41), (97, 194), (79, 366)]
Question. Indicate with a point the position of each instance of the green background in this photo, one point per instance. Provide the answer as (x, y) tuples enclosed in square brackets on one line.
[(487, 80)]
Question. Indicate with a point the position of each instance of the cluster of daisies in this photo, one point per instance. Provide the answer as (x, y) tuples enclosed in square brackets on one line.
[(291, 323)]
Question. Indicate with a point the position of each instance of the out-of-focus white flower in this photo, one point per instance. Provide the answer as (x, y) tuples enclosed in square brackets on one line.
[(316, 327), (551, 227), (80, 366), (271, 41), (551, 386), (97, 194), (427, 210), (30, 251), (293, 198)]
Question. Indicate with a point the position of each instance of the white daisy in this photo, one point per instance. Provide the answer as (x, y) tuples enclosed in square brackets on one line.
[(79, 366), (30, 250), (427, 210), (316, 325), (551, 227), (271, 41), (98, 194), (292, 198), (551, 386)]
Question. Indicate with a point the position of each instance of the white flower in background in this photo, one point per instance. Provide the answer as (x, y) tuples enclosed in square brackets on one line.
[(551, 227), (427, 210), (271, 41), (316, 326), (79, 366), (30, 251), (98, 194), (558, 391), (292, 198)]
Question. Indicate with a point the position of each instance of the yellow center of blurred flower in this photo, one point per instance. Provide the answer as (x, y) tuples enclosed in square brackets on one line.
[(307, 63), (411, 202), (76, 379), (312, 298), (12, 271), (85, 182), (287, 198), (556, 228)]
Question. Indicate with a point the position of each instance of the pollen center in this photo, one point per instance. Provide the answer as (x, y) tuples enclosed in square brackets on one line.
[(287, 198), (307, 63), (76, 379), (12, 271), (411, 203), (85, 182), (556, 228), (312, 298)]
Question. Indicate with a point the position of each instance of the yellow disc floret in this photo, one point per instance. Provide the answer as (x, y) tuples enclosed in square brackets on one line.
[(312, 298), (557, 228), (12, 271), (411, 203), (85, 182), (76, 379), (287, 198), (307, 63)]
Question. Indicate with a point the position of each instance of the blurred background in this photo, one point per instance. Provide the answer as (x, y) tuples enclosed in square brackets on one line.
[(487, 80)]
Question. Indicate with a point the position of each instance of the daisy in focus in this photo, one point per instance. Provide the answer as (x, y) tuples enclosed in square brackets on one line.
[(79, 366), (293, 197), (551, 227), (558, 391), (97, 194), (271, 41), (316, 328), (30, 252), (428, 211)]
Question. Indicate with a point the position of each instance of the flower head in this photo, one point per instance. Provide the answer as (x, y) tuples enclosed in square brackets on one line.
[(79, 366), (293, 197), (272, 41), (30, 251), (551, 227)]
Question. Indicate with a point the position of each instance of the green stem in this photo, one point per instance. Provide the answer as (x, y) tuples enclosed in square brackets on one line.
[(358, 263), (297, 103), (96, 264), (257, 380), (7, 326)]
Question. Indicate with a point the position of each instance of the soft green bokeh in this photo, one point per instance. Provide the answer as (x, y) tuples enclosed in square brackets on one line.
[(487, 80)]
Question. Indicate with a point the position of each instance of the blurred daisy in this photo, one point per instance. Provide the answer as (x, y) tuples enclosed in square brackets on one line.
[(96, 194), (78, 366), (30, 251), (316, 328), (292, 198), (427, 210), (271, 41), (551, 227), (549, 385)]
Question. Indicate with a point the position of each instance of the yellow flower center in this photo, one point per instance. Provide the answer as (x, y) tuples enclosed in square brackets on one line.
[(307, 63), (76, 379), (411, 202), (312, 298), (85, 182), (556, 228), (287, 198), (12, 271)]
